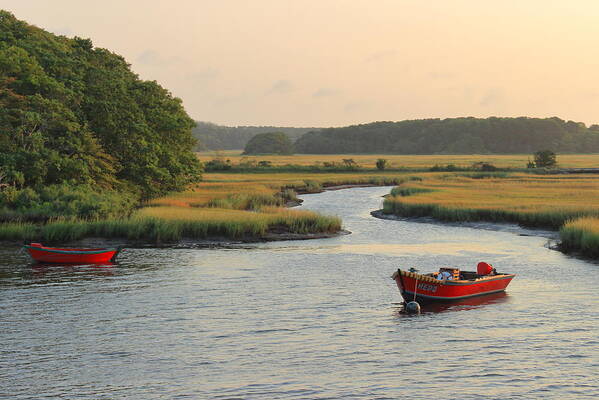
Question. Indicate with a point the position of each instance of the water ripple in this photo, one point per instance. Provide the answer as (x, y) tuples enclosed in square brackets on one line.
[(302, 320)]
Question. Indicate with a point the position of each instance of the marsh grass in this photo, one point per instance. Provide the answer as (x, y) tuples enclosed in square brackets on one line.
[(224, 205), (17, 231), (163, 230), (170, 224), (409, 191), (396, 161), (582, 235), (246, 201), (529, 200)]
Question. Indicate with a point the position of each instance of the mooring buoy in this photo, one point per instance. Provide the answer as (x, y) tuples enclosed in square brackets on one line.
[(412, 307)]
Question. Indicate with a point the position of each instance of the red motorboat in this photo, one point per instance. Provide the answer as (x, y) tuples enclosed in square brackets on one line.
[(44, 254), (450, 284)]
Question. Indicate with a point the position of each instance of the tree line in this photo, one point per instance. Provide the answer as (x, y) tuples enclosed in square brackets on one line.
[(454, 136), (76, 122), (218, 137)]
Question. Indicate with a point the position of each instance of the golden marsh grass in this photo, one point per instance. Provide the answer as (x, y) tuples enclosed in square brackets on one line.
[(406, 161), (534, 200)]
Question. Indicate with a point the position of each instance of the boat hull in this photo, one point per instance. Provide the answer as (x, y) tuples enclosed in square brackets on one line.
[(71, 256), (430, 290)]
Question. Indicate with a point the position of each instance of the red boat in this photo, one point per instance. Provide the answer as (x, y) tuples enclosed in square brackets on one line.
[(44, 254), (456, 285)]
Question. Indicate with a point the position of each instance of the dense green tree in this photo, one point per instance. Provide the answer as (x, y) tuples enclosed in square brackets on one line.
[(77, 115), (269, 143)]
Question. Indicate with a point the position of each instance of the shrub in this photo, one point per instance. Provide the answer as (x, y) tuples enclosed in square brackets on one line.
[(381, 164), (484, 166), (545, 159), (64, 201), (218, 164)]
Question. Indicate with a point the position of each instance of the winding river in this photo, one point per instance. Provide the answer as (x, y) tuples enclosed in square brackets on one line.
[(314, 319)]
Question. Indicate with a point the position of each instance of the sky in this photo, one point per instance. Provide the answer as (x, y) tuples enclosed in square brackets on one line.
[(320, 63)]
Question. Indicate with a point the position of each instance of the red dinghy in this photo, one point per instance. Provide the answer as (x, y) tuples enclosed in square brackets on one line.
[(44, 254), (450, 284)]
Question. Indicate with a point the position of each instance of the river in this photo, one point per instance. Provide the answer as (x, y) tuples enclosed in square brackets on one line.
[(314, 319)]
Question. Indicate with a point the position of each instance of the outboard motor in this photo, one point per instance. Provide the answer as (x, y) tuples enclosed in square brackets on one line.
[(484, 269)]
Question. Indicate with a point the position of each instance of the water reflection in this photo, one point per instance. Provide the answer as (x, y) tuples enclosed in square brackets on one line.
[(461, 305), (41, 274)]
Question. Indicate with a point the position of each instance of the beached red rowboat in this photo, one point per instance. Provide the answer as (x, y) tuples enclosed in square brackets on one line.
[(467, 284), (71, 256)]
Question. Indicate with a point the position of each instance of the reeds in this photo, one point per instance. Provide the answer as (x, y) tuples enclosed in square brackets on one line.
[(529, 200), (170, 224), (409, 191), (582, 235)]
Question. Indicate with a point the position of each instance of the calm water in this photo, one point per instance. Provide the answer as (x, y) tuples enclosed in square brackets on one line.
[(303, 319)]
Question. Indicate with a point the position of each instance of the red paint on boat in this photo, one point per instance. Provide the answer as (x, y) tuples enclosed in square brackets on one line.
[(45, 254), (429, 289)]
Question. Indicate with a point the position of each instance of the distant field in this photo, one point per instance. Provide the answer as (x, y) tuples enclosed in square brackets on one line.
[(411, 161)]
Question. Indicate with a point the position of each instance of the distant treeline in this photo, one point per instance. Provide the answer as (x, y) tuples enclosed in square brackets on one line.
[(454, 136), (216, 137)]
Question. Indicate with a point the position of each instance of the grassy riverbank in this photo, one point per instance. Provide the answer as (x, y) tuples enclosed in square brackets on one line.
[(581, 235), (224, 206), (569, 202), (546, 201), (192, 224), (254, 206)]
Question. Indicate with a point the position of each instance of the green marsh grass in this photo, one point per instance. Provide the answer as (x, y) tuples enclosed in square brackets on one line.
[(582, 235), (170, 224)]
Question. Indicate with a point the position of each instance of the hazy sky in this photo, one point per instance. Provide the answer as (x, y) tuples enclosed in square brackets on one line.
[(339, 62)]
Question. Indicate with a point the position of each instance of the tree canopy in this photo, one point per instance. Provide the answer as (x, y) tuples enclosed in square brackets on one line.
[(454, 136), (74, 114), (269, 143)]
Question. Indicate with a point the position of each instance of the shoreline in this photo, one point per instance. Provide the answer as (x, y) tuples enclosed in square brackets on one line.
[(553, 237), (274, 235), (190, 243), (508, 227)]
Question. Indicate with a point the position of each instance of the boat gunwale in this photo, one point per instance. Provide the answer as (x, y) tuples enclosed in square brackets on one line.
[(460, 282), (81, 252)]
